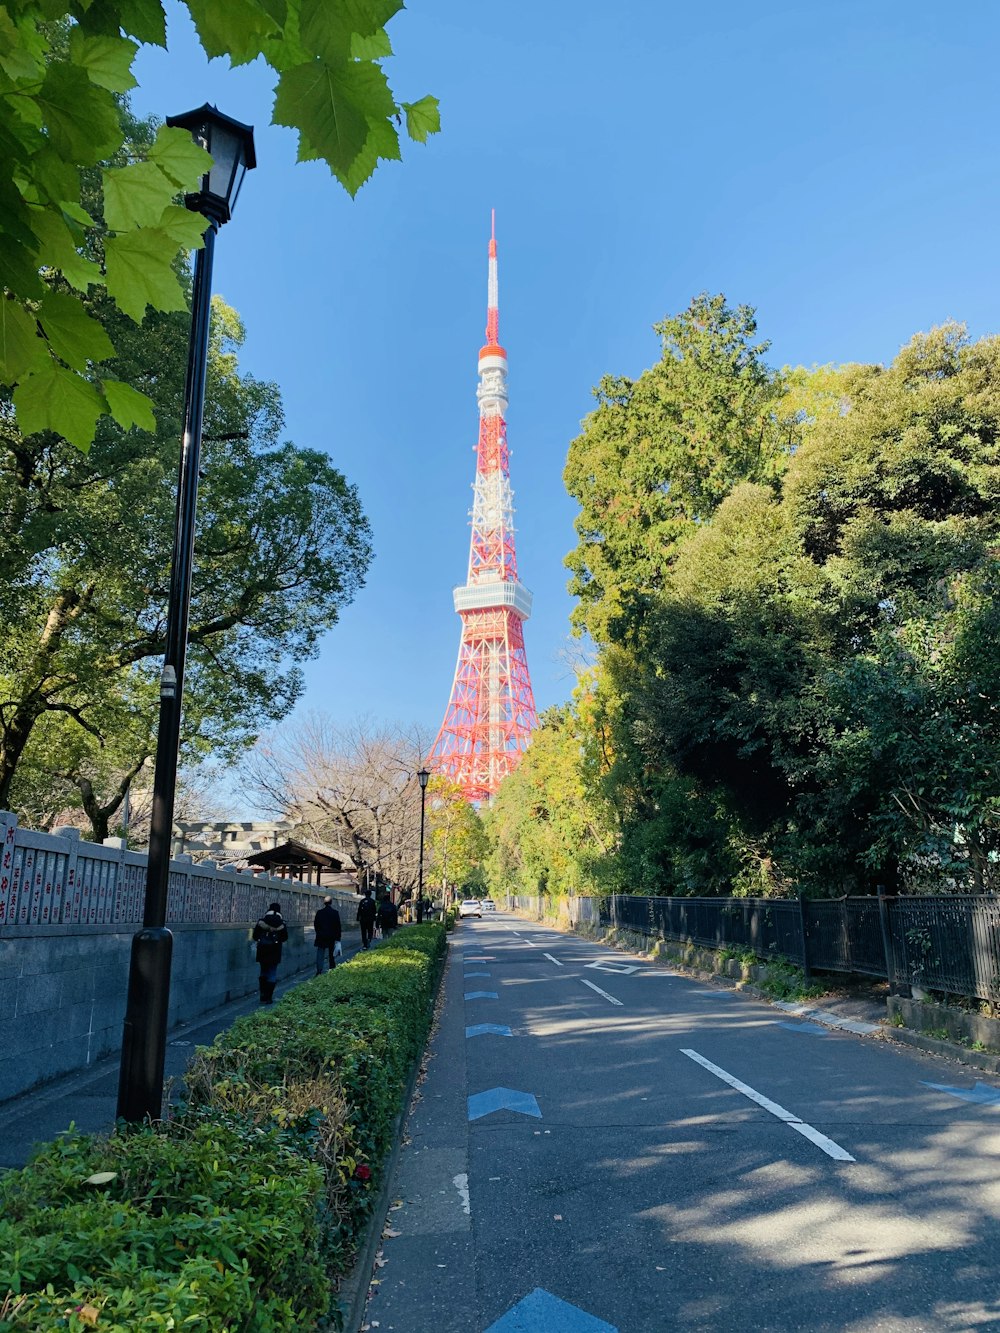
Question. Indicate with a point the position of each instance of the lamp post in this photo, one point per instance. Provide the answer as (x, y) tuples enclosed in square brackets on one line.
[(422, 777), (140, 1084)]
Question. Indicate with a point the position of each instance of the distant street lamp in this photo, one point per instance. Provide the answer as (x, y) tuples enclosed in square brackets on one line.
[(144, 1041), (422, 778)]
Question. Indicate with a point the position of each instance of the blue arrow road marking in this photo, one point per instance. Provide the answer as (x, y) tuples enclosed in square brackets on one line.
[(810, 1029), (481, 995), (981, 1093), (502, 1099), (541, 1312), (477, 974), (487, 1029)]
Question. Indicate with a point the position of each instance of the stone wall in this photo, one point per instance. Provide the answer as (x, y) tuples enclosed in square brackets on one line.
[(62, 992), (68, 912)]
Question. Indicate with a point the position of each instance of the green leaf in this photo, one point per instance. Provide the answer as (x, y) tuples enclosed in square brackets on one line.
[(21, 348), (22, 48), (145, 20), (422, 118), (54, 398), (236, 28), (179, 157), (374, 46), (128, 406), (73, 333), (19, 268), (135, 196), (309, 98), (81, 119), (107, 60), (382, 142), (57, 248), (54, 177), (328, 29), (139, 272), (184, 227)]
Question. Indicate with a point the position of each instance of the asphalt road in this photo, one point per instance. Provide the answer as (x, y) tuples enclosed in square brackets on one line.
[(645, 1152)]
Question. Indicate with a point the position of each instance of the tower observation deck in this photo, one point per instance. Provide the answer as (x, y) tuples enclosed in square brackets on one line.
[(491, 711)]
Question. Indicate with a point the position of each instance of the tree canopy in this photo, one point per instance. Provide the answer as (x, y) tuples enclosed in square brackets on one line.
[(660, 453), (797, 684), (85, 545)]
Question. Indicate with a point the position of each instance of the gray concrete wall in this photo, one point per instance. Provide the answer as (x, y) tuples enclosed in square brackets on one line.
[(63, 989)]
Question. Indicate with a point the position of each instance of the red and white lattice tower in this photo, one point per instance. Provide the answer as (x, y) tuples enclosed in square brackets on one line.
[(491, 712)]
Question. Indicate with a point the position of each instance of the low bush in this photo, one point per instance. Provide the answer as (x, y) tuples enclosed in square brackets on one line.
[(242, 1211)]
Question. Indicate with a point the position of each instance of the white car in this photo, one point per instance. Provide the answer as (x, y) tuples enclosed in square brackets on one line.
[(470, 907), (489, 905)]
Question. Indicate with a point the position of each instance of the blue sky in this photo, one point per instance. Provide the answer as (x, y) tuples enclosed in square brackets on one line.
[(833, 165)]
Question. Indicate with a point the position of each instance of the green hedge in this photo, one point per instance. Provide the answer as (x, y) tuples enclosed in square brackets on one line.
[(242, 1211)]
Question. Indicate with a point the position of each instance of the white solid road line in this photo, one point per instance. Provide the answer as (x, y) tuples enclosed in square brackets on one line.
[(611, 998), (828, 1146), (554, 960)]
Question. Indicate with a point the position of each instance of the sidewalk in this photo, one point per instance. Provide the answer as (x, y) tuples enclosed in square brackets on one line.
[(88, 1098)]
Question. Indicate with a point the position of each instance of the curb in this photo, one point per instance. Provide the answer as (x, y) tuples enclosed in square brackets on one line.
[(950, 1049), (353, 1296)]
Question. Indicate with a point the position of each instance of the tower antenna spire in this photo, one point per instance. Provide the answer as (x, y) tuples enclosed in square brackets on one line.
[(491, 712)]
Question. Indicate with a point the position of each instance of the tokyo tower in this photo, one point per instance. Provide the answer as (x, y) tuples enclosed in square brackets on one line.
[(491, 712)]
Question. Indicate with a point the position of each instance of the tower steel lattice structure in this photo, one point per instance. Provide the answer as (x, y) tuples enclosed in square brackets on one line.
[(491, 712)]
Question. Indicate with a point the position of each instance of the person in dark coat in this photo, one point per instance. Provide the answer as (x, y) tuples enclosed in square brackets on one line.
[(388, 917), (270, 932), (367, 912), (326, 924)]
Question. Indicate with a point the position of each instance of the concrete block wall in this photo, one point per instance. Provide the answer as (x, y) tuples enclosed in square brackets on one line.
[(68, 912), (62, 993)]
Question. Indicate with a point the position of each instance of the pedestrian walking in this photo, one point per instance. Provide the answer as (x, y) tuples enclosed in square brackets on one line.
[(270, 932), (388, 917), (326, 924), (367, 912)]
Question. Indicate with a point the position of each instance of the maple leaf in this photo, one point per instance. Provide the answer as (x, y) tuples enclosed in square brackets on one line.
[(73, 334), (107, 60), (135, 196), (179, 157), (128, 406), (81, 118), (139, 272), (57, 399), (422, 118), (20, 346)]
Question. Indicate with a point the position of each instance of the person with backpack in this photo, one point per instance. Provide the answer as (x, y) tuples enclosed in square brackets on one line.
[(326, 924), (367, 912), (388, 916), (270, 933)]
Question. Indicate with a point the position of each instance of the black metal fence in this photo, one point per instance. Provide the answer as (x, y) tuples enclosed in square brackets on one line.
[(947, 944)]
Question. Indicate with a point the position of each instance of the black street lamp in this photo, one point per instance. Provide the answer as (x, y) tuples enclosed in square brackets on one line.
[(422, 777), (140, 1084)]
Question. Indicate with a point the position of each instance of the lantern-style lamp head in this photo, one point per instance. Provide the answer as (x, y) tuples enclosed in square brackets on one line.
[(231, 145), (422, 778)]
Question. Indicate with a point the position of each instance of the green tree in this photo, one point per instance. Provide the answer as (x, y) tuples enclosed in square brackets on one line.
[(548, 831), (455, 841), (660, 453), (64, 73), (282, 546), (818, 677)]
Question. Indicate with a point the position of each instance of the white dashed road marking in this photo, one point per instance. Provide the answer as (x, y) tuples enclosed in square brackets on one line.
[(608, 997), (554, 960), (828, 1146)]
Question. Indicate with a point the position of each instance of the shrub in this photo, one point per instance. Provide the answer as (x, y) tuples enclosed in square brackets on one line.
[(241, 1211)]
